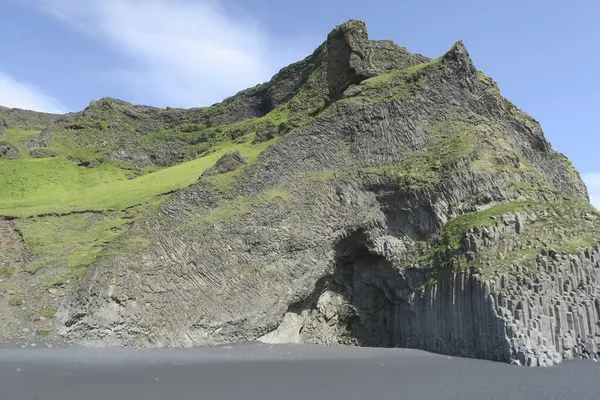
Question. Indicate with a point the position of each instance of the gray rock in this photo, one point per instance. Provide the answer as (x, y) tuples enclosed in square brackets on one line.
[(227, 163), (8, 151)]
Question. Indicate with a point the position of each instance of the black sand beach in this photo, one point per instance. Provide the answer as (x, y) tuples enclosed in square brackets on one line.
[(261, 371)]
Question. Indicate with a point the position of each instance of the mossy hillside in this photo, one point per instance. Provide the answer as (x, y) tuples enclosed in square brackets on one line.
[(396, 84), (300, 110), (115, 129), (571, 216), (56, 185), (32, 120), (61, 248), (231, 209), (43, 186), (563, 226), (456, 228), (61, 245), (49, 181), (450, 143), (468, 144), (17, 138), (128, 193), (43, 152)]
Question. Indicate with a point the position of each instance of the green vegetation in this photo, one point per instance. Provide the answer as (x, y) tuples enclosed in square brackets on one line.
[(31, 317), (483, 78), (48, 312), (7, 272), (16, 301), (49, 182), (452, 141), (63, 246), (229, 210), (396, 84), (43, 332), (43, 152), (242, 205), (17, 138), (564, 226), (566, 217), (455, 229), (43, 186)]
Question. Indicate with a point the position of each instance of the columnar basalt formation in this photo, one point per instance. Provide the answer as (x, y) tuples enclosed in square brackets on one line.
[(363, 196)]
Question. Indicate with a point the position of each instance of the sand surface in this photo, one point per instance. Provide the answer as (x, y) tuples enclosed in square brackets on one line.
[(260, 371)]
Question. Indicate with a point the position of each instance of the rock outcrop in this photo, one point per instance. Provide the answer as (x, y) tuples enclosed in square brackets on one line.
[(8, 151), (227, 163), (399, 201)]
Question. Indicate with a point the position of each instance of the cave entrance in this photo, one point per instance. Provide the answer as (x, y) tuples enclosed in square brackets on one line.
[(372, 286)]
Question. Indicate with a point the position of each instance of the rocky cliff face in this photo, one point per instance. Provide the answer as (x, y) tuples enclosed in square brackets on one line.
[(399, 201)]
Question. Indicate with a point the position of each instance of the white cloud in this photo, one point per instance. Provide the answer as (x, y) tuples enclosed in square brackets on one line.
[(592, 180), (183, 53), (26, 96)]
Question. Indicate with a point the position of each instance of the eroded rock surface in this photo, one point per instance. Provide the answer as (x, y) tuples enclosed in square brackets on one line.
[(227, 163)]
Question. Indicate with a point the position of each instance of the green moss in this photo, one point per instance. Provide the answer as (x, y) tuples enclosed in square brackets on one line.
[(17, 138), (48, 312), (50, 182), (43, 152), (224, 182), (455, 229), (230, 210), (565, 226), (298, 111), (74, 240), (452, 141), (31, 317), (7, 272), (33, 187), (43, 332), (242, 205), (80, 272), (483, 78), (63, 246), (16, 301), (396, 84)]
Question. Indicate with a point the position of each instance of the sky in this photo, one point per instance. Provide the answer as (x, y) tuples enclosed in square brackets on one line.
[(58, 55)]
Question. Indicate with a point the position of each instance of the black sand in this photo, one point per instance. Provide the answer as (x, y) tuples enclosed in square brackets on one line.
[(260, 371)]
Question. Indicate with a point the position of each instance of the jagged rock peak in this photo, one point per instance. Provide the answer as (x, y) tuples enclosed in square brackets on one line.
[(107, 101), (349, 57), (459, 57), (350, 27)]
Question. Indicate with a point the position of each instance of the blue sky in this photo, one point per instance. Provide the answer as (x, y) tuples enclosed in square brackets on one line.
[(58, 55)]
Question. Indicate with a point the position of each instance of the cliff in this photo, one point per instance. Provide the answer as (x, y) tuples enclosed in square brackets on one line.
[(363, 196)]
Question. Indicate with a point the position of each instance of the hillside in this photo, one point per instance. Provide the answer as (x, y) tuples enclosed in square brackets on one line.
[(364, 195)]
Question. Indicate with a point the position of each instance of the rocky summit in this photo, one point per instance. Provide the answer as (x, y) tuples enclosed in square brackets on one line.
[(363, 196)]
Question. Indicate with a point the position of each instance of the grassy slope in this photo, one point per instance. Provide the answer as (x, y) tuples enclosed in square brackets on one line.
[(55, 185), (17, 137), (56, 249)]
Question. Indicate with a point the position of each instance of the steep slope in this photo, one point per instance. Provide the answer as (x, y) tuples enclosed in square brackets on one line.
[(397, 201)]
